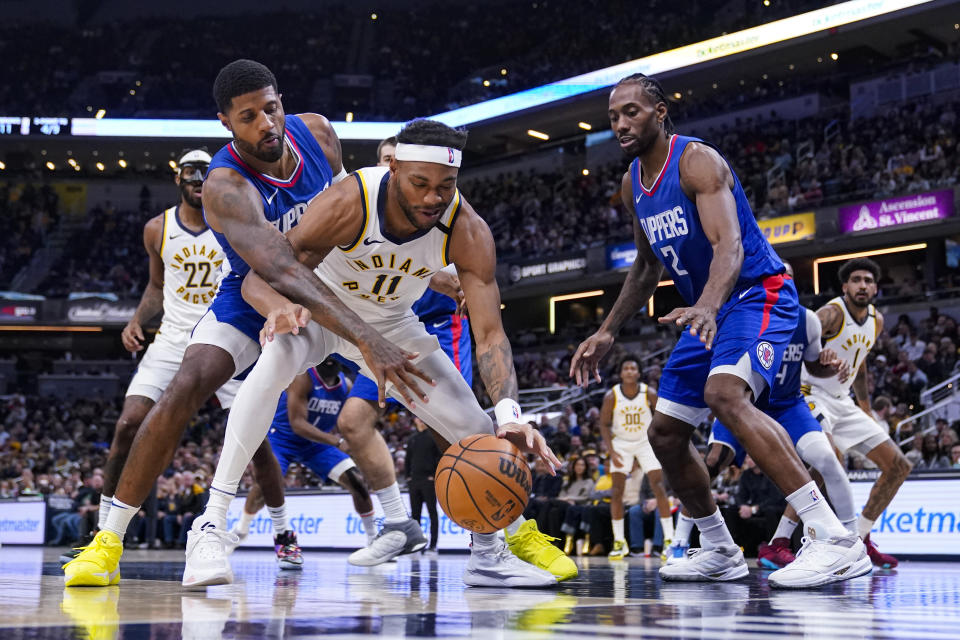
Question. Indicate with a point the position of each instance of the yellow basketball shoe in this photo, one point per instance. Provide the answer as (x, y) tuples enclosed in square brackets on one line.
[(98, 565), (95, 612), (620, 550), (534, 547)]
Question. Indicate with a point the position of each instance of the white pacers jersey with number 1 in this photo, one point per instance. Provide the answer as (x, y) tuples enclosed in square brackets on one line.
[(380, 276), (852, 344), (191, 273)]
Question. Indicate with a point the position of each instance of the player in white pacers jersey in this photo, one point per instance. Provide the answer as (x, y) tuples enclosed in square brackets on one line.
[(624, 420), (378, 238), (185, 269), (851, 325)]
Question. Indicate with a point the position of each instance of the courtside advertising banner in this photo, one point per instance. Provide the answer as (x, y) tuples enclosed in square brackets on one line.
[(923, 519), (896, 212), (330, 521), (22, 522)]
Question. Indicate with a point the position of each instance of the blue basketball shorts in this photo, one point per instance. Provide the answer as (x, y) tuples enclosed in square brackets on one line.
[(754, 328), (796, 418), (323, 459), (453, 332)]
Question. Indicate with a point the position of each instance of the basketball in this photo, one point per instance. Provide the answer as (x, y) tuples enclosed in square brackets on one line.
[(483, 483)]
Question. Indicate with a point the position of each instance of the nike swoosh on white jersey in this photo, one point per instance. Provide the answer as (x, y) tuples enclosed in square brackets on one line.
[(743, 293), (275, 192), (439, 325)]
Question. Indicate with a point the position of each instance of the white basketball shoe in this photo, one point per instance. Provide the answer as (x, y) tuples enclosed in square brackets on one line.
[(821, 562), (718, 564), (207, 557)]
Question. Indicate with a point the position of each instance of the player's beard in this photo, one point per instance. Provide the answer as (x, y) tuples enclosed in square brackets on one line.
[(852, 299), (411, 213), (190, 197), (261, 154)]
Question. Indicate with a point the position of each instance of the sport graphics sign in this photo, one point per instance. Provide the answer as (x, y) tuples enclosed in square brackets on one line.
[(895, 212), (924, 517), (330, 521)]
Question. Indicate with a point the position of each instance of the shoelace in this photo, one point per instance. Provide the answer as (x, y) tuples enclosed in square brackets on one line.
[(534, 535)]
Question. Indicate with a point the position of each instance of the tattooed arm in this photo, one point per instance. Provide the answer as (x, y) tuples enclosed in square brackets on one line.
[(472, 250)]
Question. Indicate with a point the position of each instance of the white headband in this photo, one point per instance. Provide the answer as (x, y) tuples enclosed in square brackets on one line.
[(428, 153)]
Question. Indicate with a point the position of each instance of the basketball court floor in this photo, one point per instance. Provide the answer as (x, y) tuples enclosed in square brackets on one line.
[(423, 596)]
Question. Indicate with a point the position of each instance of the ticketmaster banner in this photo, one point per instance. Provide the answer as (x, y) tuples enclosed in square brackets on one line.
[(22, 522), (923, 519), (330, 521)]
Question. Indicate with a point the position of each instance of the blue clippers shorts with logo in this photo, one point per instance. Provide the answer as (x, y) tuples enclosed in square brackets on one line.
[(319, 458), (453, 332), (754, 328), (795, 418)]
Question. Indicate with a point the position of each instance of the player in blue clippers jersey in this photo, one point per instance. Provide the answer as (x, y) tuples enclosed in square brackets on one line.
[(256, 188), (302, 431), (440, 310), (784, 403), (693, 219)]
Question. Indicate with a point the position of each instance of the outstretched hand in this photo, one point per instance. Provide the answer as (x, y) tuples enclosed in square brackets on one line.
[(289, 318), (586, 361), (529, 440), (702, 322)]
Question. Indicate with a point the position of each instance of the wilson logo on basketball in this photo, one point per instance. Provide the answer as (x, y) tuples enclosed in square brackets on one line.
[(515, 472)]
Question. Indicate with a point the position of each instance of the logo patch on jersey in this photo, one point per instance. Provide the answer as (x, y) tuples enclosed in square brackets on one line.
[(765, 354), (369, 241)]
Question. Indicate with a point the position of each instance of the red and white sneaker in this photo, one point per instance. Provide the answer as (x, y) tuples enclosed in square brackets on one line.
[(288, 551), (775, 555), (877, 557)]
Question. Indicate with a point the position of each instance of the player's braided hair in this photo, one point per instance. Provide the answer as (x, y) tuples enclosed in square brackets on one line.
[(859, 264), (654, 90), (432, 132), (240, 77)]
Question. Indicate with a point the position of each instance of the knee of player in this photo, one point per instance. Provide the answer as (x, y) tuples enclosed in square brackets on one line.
[(724, 400), (664, 440), (126, 429), (902, 467)]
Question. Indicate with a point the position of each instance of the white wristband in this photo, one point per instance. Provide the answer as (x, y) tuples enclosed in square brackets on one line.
[(507, 411)]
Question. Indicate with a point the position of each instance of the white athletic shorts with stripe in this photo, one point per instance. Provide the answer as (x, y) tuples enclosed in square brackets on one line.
[(160, 363), (850, 427)]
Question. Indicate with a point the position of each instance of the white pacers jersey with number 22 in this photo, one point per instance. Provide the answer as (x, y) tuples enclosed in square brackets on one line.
[(191, 272), (380, 276)]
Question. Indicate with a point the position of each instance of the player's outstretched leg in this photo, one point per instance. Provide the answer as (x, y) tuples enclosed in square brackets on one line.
[(894, 469), (719, 558), (204, 369), (831, 554), (400, 534)]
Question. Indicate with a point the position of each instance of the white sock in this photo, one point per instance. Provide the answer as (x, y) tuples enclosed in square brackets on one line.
[(813, 509), (714, 532), (785, 529), (484, 541), (391, 501), (681, 535), (816, 451), (278, 515), (243, 527), (255, 405), (667, 524), (514, 526), (119, 518), (369, 525), (618, 530), (104, 511), (864, 526), (216, 509)]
